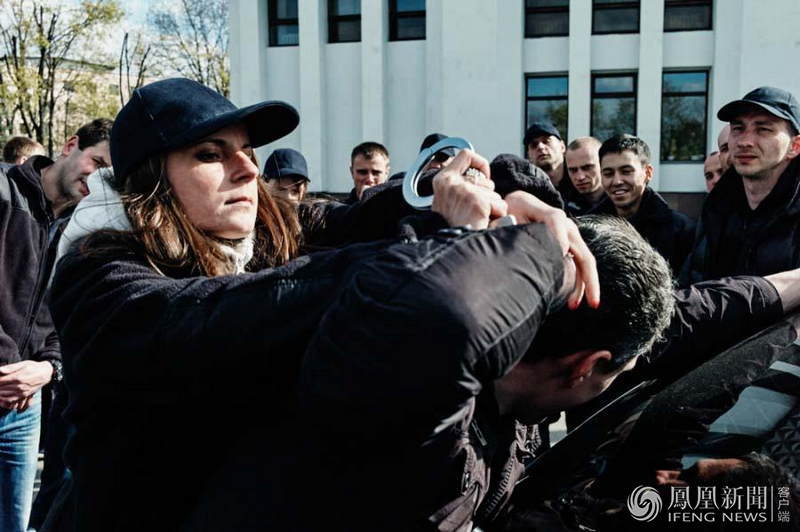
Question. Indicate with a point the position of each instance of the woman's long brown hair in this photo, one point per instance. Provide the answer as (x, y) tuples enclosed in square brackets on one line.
[(169, 240)]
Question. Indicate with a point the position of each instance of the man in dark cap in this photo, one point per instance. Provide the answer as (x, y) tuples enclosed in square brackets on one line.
[(751, 220), (442, 158), (286, 173), (545, 148)]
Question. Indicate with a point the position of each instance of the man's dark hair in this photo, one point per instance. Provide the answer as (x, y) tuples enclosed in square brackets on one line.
[(761, 470), (368, 150), (17, 147), (636, 300), (625, 142), (94, 132)]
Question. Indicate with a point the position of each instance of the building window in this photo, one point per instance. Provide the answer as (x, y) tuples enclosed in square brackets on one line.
[(344, 20), (615, 16), (613, 105), (684, 107), (283, 23), (406, 20), (546, 18), (687, 15), (546, 101)]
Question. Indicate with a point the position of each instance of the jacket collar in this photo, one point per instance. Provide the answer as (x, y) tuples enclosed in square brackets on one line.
[(783, 198), (29, 176)]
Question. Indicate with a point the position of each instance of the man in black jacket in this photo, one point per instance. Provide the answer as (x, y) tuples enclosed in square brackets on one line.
[(626, 171), (402, 428), (751, 220), (545, 148), (35, 199)]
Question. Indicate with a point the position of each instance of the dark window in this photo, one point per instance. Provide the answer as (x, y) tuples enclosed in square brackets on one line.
[(344, 20), (546, 101), (613, 105), (615, 16), (546, 18), (684, 107), (687, 15), (283, 23), (406, 20)]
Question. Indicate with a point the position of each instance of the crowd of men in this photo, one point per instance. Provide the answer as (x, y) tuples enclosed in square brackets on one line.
[(750, 225)]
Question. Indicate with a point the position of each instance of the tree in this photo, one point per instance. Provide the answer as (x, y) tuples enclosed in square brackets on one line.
[(194, 40), (135, 64), (46, 48)]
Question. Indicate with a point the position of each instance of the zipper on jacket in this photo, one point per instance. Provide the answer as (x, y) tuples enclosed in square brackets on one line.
[(38, 295)]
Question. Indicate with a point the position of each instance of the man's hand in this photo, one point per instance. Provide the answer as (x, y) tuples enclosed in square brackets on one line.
[(528, 208), (20, 380), (463, 201)]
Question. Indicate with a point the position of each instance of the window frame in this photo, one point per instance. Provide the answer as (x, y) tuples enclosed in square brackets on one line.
[(274, 22), (395, 15), (621, 4), (610, 95), (705, 71), (528, 98), (679, 3), (334, 19), (532, 10)]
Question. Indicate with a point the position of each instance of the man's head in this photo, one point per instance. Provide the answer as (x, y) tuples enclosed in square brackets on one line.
[(578, 353), (764, 132), (724, 148), (626, 171), (64, 182), (369, 166), (18, 149), (583, 164), (440, 159), (286, 173), (544, 147), (712, 169)]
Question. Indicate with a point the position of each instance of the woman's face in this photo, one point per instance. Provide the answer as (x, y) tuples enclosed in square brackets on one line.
[(215, 182)]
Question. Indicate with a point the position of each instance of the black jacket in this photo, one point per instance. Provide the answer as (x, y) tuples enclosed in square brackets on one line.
[(670, 232), (733, 239), (26, 259), (389, 384), (167, 375)]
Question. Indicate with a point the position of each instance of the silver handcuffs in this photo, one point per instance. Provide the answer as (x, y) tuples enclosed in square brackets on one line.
[(411, 179)]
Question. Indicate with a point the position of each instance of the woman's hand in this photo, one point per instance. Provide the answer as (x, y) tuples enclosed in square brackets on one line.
[(528, 208), (466, 200)]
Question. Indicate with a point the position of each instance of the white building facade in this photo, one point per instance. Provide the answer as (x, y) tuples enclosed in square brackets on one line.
[(393, 71)]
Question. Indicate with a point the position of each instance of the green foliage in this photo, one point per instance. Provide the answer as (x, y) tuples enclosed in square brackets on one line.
[(51, 55)]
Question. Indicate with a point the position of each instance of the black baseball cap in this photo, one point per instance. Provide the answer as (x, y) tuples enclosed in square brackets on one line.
[(173, 113), (286, 162), (538, 129), (432, 139), (775, 101)]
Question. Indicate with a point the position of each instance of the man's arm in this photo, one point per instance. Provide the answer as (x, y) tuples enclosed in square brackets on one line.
[(787, 285)]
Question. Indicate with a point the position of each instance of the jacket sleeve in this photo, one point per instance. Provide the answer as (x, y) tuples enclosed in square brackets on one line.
[(51, 347), (710, 317), (377, 216), (130, 333), (421, 330)]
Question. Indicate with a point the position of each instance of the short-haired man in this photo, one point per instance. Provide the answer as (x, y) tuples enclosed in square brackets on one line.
[(286, 173), (35, 198), (583, 166), (422, 431), (369, 166), (724, 148), (750, 222), (626, 172), (18, 149), (712, 169)]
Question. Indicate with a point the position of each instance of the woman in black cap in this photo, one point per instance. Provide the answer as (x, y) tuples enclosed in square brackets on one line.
[(175, 363)]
